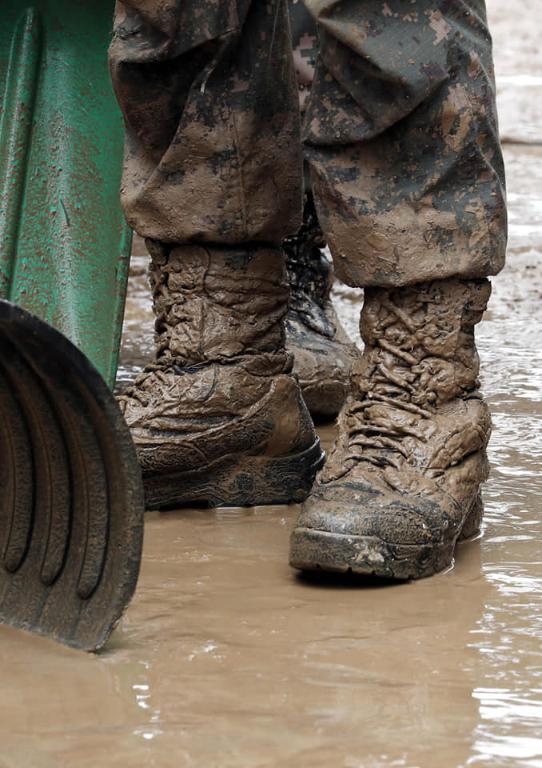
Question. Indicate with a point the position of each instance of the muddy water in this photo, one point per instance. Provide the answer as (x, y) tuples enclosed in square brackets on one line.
[(227, 659)]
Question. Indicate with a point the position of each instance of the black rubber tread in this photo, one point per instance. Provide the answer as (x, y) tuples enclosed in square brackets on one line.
[(71, 496), (312, 550)]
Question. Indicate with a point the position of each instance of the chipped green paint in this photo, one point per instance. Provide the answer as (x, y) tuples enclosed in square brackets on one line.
[(64, 246)]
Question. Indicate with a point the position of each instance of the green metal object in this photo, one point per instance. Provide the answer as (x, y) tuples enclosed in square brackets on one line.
[(64, 245)]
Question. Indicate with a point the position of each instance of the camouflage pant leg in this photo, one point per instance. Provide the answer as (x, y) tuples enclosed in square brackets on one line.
[(305, 48), (209, 97), (401, 134)]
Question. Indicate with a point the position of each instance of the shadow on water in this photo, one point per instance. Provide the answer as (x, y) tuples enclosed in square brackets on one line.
[(329, 580)]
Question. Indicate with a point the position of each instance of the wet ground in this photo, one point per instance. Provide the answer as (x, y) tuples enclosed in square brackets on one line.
[(226, 659)]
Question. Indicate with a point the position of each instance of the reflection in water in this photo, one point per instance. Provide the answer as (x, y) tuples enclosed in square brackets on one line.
[(508, 638)]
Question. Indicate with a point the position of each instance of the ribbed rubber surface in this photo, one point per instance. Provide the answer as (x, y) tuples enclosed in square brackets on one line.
[(71, 499)]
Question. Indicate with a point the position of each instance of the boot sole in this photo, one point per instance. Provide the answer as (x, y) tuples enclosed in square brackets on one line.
[(238, 481), (313, 550)]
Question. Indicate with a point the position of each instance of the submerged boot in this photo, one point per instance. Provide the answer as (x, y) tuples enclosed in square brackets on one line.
[(323, 354), (218, 419), (403, 482)]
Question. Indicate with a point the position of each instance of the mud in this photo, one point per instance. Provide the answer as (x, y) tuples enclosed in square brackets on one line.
[(217, 419), (225, 659), (220, 105), (411, 445)]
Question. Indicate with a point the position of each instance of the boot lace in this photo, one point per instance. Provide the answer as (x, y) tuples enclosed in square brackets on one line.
[(377, 437)]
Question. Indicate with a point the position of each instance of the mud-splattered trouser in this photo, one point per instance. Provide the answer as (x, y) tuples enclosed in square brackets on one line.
[(400, 131)]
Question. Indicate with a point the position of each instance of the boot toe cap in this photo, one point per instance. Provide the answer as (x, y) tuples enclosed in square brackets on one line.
[(348, 528), (351, 509)]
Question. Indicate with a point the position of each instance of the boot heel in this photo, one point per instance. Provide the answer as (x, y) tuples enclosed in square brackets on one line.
[(472, 527)]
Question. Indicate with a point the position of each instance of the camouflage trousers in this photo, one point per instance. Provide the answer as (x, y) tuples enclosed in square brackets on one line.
[(400, 131)]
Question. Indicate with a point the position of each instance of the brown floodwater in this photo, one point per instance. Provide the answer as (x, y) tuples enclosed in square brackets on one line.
[(226, 659)]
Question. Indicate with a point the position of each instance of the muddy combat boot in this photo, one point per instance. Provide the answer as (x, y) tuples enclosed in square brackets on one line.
[(217, 419), (323, 353), (403, 481)]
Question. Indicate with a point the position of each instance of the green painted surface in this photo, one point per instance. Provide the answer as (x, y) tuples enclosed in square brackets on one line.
[(64, 247)]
